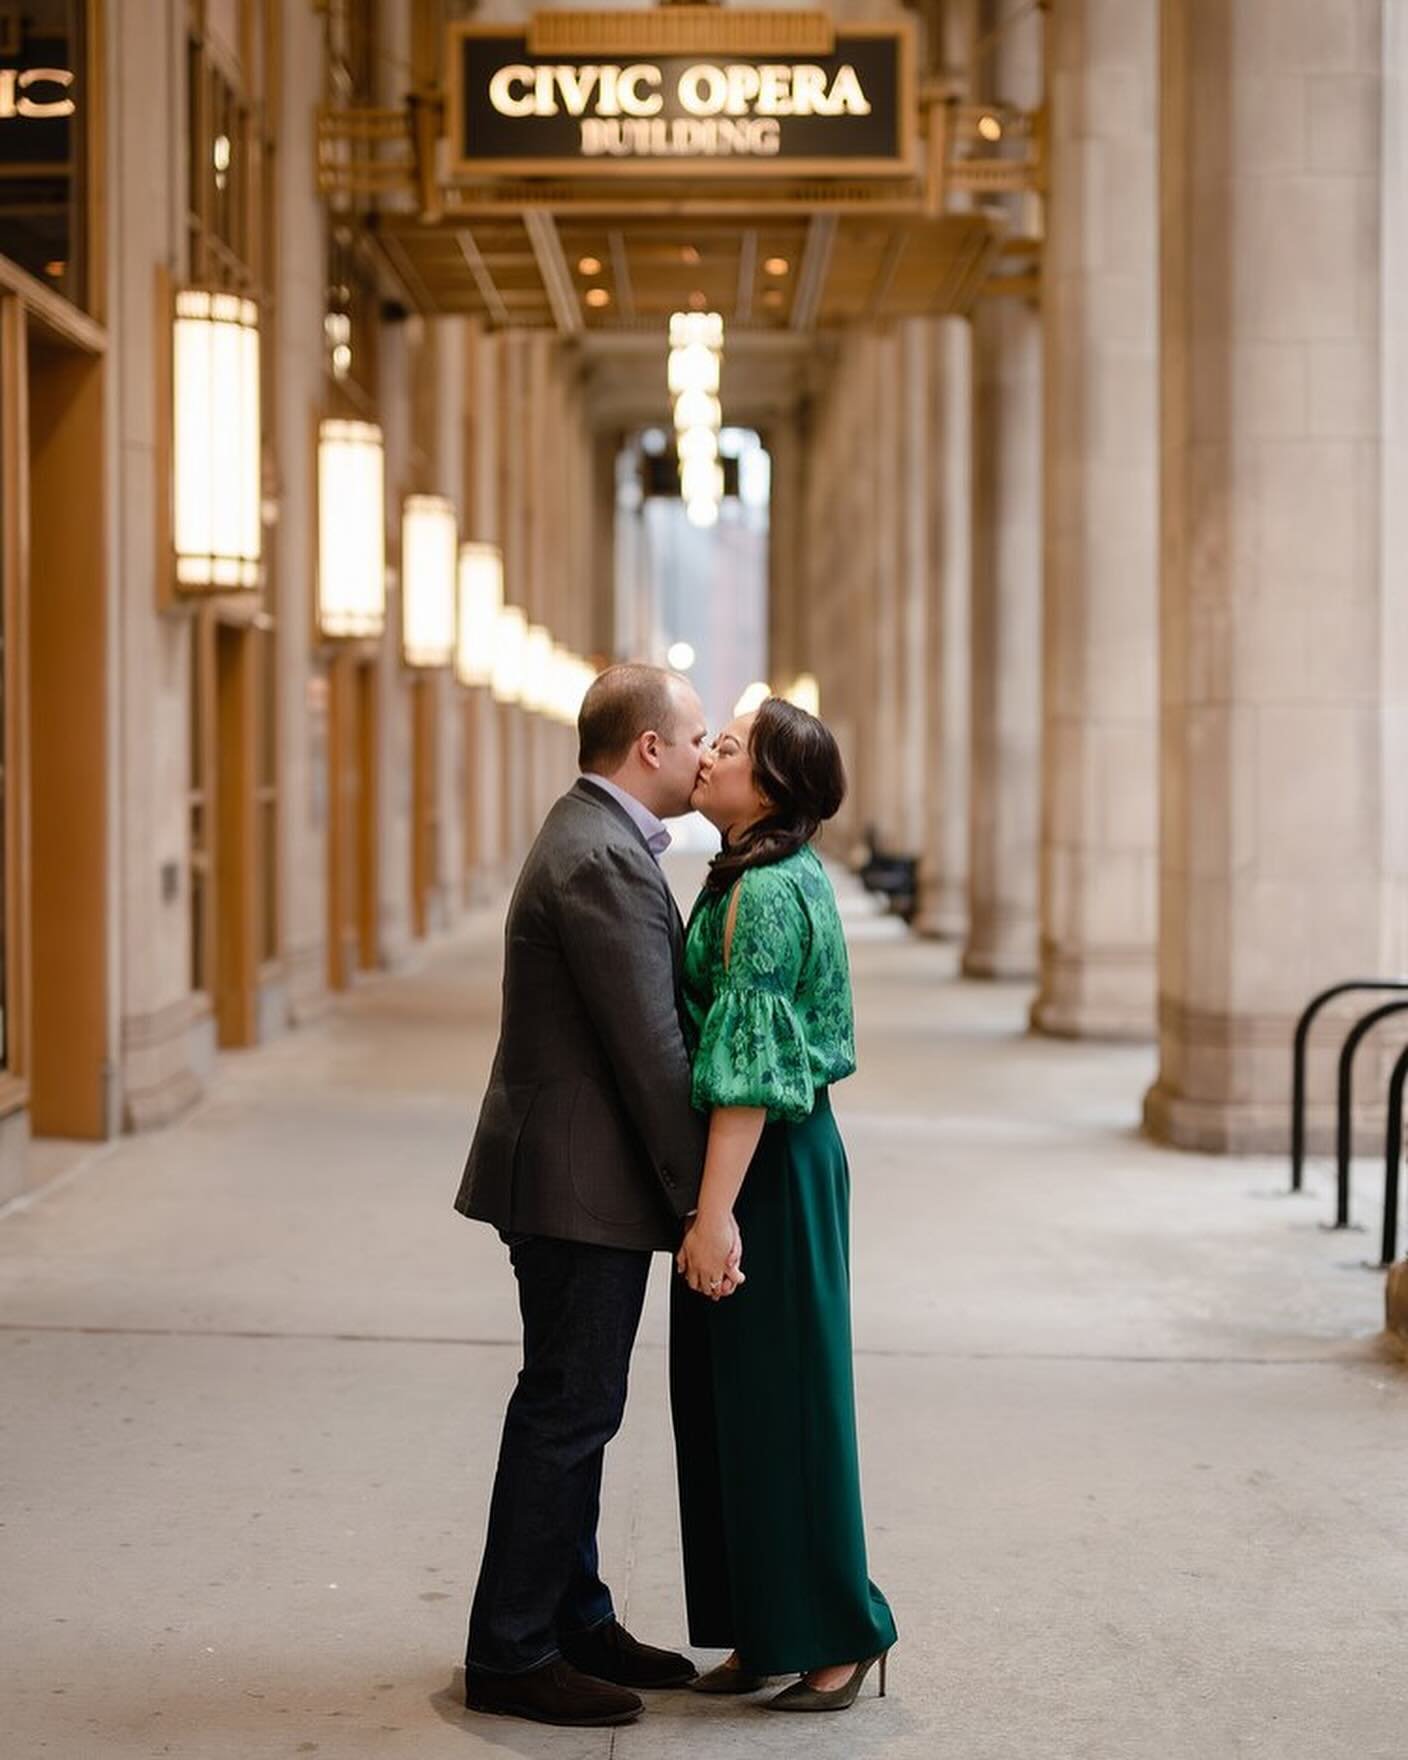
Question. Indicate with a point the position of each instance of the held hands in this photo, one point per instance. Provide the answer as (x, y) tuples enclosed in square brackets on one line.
[(710, 1256)]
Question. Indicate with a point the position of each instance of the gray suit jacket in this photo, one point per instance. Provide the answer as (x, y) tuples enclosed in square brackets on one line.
[(586, 1132)]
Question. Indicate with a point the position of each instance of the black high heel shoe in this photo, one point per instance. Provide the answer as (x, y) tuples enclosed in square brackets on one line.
[(802, 1697)]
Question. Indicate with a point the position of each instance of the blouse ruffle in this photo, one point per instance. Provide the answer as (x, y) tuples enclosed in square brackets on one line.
[(753, 1052)]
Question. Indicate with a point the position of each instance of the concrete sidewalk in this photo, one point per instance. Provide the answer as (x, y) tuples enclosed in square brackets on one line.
[(1134, 1461)]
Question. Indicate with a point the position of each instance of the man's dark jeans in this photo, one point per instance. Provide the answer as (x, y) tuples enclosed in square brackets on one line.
[(539, 1581)]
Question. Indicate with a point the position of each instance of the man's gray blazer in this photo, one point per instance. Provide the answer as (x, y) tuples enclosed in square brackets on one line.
[(586, 1132)]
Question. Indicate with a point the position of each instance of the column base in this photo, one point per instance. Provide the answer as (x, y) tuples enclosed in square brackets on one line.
[(1096, 995), (1396, 1306), (1002, 946), (168, 1055), (1217, 1127), (942, 912), (1007, 963)]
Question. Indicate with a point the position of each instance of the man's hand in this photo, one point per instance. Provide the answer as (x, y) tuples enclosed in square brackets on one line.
[(710, 1258)]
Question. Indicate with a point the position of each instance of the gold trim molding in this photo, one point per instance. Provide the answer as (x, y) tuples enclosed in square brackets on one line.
[(682, 30)]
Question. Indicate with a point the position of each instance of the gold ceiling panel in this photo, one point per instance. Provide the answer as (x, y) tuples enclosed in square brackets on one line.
[(624, 271)]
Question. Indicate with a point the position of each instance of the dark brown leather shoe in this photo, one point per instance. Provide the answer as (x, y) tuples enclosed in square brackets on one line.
[(610, 1653), (555, 1693)]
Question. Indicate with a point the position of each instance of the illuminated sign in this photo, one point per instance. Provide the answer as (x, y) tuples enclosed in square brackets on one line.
[(845, 113), (43, 146), (41, 93)]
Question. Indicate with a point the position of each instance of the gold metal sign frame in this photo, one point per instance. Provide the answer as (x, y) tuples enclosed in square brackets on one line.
[(735, 36)]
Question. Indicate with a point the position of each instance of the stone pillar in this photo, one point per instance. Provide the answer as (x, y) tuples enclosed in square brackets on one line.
[(1006, 641), (483, 843), (789, 651), (1099, 771), (914, 477), (1282, 650), (1393, 307), (301, 723), (1006, 557), (449, 391), (880, 537), (943, 868)]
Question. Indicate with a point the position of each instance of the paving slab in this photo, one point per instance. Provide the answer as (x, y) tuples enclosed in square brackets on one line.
[(1132, 1445)]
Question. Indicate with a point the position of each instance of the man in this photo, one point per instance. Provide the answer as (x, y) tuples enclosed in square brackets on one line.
[(587, 1158)]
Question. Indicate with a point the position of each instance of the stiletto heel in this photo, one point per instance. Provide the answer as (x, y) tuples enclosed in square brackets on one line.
[(801, 1696)]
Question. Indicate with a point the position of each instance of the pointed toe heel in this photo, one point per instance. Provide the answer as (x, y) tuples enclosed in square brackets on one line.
[(802, 1697), (724, 1679)]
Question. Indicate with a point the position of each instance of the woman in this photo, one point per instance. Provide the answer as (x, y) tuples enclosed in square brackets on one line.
[(760, 1368)]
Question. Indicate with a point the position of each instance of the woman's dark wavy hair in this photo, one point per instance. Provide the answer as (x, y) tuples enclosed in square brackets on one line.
[(797, 766)]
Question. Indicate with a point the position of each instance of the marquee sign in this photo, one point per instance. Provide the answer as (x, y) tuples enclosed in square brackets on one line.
[(846, 113)]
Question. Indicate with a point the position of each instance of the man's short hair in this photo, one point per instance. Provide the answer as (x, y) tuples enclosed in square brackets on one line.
[(621, 704)]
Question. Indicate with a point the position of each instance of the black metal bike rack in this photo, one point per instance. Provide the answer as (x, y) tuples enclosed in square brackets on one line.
[(1344, 1102), (1393, 1153), (1299, 1054)]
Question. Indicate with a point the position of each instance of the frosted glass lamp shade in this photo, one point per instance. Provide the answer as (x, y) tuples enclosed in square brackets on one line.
[(351, 529), (216, 500), (510, 641), (429, 565), (481, 599)]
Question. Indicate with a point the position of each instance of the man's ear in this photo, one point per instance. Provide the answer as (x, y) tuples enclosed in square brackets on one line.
[(649, 749)]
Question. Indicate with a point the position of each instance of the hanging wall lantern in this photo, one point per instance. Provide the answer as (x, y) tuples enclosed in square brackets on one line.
[(351, 529), (537, 669), (510, 641), (215, 442), (429, 559), (481, 599)]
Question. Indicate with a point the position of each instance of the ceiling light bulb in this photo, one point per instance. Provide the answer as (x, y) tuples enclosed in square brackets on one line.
[(697, 409)]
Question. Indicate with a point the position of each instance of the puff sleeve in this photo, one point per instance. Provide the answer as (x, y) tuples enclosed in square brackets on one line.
[(752, 1046)]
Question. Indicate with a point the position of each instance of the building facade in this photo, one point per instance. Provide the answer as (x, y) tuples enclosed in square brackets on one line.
[(220, 808), (1086, 513)]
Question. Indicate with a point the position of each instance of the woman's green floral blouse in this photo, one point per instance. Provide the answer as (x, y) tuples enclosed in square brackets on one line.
[(777, 1024)]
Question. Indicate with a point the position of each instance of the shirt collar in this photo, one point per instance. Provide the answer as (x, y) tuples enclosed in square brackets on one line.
[(651, 828)]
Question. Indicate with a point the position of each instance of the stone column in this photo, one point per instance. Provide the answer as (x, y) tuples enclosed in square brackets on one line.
[(1006, 641), (515, 461), (789, 651), (451, 345), (1283, 652), (880, 536), (1006, 556), (914, 477), (299, 390), (484, 847), (1099, 771), (943, 868)]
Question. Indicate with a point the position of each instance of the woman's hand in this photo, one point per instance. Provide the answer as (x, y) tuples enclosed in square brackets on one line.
[(710, 1255)]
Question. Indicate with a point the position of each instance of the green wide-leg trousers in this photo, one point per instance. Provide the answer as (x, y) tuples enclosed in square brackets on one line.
[(763, 1399)]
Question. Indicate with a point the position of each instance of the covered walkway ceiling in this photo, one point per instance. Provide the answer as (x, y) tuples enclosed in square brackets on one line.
[(622, 269), (492, 205)]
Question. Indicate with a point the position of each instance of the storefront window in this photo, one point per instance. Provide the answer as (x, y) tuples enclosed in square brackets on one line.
[(43, 142), (232, 233)]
